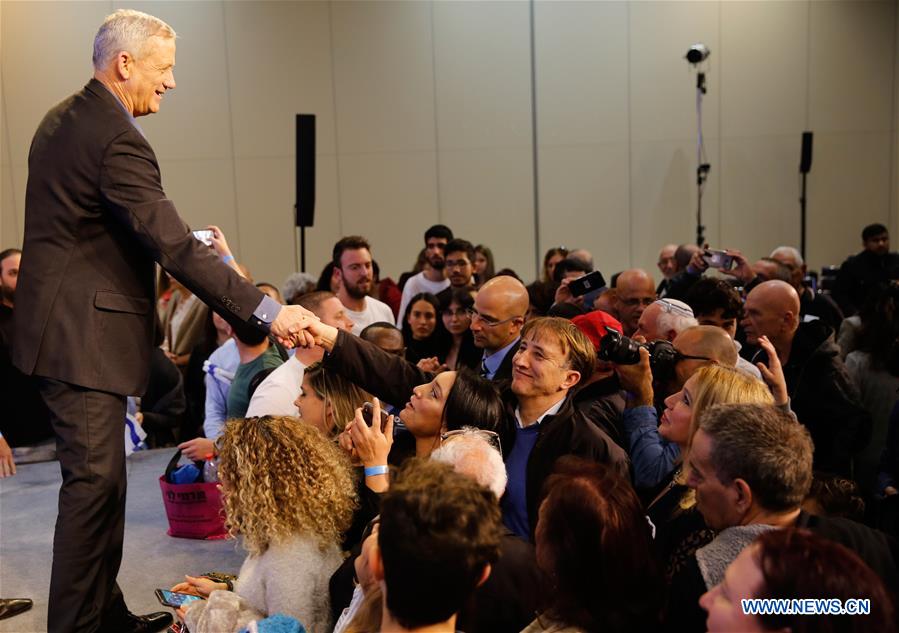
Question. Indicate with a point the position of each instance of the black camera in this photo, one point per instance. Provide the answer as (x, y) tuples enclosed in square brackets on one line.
[(621, 350)]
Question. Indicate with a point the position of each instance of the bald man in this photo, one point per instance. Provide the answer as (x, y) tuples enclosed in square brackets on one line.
[(821, 392), (634, 292), (499, 310), (811, 304)]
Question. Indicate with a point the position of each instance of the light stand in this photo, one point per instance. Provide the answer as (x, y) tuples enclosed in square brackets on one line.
[(696, 54)]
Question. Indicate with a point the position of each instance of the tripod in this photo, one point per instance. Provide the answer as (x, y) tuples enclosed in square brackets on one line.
[(702, 168)]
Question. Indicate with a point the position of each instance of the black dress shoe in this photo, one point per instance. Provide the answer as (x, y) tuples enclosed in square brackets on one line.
[(146, 623), (13, 606)]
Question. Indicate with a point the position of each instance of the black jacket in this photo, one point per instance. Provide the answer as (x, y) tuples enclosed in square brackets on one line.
[(503, 373), (821, 306), (859, 275), (568, 432), (824, 399), (603, 403)]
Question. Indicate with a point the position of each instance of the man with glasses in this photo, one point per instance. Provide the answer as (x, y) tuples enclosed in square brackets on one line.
[(634, 291), (459, 264), (496, 321)]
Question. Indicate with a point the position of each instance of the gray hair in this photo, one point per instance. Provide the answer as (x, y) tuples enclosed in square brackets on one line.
[(790, 251), (298, 284), (127, 30), (470, 454), (763, 446), (674, 315)]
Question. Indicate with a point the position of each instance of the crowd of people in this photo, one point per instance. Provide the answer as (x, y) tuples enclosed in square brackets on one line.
[(638, 457), (456, 450)]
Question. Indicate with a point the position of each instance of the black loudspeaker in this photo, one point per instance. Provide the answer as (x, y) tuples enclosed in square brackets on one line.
[(805, 163), (305, 205)]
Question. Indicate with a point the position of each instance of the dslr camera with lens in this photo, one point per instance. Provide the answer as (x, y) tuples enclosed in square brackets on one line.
[(621, 350)]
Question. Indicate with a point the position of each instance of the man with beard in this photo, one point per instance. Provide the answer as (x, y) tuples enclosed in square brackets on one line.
[(433, 278), (353, 267), (9, 273), (459, 263)]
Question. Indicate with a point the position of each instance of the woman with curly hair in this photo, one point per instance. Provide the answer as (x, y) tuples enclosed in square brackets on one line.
[(289, 492)]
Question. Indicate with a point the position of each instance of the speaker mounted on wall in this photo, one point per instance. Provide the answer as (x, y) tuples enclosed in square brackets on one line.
[(805, 161), (305, 177)]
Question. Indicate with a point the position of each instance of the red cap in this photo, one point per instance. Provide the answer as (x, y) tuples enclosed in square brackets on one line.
[(594, 325)]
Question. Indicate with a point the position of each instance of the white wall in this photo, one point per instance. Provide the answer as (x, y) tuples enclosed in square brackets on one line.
[(425, 114)]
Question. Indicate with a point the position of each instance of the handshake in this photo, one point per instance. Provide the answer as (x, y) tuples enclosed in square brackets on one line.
[(295, 326)]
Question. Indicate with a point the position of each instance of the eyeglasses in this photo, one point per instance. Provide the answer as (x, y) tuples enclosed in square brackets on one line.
[(488, 321), (457, 263), (681, 357), (491, 437), (666, 305)]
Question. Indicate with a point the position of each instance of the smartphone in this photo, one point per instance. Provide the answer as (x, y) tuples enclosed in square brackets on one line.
[(204, 236), (174, 599), (587, 283), (368, 414), (718, 259)]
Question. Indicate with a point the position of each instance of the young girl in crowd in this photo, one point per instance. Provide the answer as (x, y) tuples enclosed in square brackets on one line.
[(423, 337), (454, 313), (328, 401), (484, 268), (289, 492)]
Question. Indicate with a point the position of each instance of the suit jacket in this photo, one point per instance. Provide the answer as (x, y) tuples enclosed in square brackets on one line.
[(504, 371), (96, 219)]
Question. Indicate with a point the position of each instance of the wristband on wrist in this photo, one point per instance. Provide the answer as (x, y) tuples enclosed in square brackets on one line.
[(372, 471), (228, 259)]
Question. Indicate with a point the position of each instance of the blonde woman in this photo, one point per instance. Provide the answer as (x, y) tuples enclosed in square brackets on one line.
[(328, 401), (289, 492), (680, 529)]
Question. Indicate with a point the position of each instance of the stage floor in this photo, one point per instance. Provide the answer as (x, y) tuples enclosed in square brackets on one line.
[(152, 559)]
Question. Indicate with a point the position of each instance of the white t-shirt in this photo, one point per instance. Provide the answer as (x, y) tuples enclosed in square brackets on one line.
[(415, 285), (374, 312), (277, 393)]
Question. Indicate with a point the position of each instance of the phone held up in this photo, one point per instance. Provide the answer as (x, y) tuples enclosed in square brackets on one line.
[(368, 413), (204, 236), (174, 599), (718, 259), (587, 283)]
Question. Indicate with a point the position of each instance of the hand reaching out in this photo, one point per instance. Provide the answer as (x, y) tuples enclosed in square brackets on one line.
[(432, 365), (199, 586), (7, 465), (773, 373)]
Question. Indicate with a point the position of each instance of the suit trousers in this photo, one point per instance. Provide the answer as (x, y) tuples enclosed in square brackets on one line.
[(90, 526)]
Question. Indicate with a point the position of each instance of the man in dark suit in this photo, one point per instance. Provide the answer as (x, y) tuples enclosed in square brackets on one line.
[(96, 220), (496, 321)]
